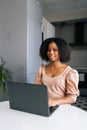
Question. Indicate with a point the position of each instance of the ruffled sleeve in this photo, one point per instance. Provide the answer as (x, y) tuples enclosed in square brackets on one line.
[(38, 76), (72, 80)]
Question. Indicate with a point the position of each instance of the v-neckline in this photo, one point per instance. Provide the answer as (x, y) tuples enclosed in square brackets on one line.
[(56, 75)]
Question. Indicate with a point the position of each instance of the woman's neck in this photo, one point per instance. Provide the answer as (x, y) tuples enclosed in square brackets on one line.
[(56, 64)]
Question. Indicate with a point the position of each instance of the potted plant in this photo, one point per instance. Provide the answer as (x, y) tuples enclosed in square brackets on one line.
[(5, 75)]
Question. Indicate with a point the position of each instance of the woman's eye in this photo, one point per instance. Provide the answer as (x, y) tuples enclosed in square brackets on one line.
[(49, 50), (55, 50)]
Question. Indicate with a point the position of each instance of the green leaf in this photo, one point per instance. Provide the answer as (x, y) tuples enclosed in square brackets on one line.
[(5, 75)]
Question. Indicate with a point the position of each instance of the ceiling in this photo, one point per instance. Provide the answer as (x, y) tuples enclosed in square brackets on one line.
[(61, 10)]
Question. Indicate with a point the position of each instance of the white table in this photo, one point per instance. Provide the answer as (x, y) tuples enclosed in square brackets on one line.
[(66, 117)]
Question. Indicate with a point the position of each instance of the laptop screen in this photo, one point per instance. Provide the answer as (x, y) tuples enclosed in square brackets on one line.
[(30, 98), (27, 97)]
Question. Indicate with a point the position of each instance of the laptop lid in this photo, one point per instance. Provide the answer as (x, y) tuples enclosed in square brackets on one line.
[(30, 98)]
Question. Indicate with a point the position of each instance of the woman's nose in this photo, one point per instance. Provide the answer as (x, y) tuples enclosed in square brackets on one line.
[(51, 51)]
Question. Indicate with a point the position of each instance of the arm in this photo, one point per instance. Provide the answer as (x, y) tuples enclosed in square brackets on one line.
[(59, 101), (38, 77)]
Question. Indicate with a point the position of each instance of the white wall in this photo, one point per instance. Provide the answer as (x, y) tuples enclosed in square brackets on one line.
[(20, 37), (48, 29), (33, 39), (13, 36)]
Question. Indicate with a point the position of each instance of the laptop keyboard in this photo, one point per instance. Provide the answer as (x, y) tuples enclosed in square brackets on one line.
[(53, 108)]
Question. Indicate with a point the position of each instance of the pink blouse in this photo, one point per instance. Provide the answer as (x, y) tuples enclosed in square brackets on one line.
[(59, 86)]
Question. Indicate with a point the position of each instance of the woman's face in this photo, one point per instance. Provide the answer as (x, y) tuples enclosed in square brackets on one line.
[(52, 52)]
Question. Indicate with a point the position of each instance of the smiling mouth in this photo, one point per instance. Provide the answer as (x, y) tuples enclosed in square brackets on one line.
[(51, 57)]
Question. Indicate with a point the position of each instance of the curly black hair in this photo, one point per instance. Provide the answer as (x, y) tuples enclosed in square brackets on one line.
[(63, 48)]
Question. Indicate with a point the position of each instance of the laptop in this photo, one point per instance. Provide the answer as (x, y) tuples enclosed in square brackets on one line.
[(30, 98)]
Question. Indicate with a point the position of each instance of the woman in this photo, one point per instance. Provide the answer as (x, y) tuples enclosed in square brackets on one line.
[(60, 79)]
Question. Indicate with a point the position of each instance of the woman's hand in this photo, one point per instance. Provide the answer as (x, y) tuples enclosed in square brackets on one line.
[(59, 101), (53, 102)]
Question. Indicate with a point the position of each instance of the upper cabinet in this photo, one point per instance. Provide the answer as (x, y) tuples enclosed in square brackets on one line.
[(74, 33)]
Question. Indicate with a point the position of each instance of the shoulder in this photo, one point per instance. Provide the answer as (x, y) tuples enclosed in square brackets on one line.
[(71, 70), (72, 73), (41, 69)]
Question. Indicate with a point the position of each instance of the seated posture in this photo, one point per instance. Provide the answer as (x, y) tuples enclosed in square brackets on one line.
[(60, 79)]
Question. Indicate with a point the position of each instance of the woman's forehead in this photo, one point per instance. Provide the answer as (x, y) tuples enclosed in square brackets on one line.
[(52, 44)]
